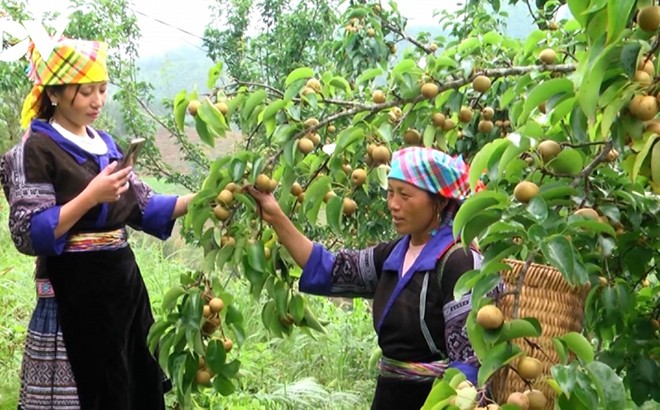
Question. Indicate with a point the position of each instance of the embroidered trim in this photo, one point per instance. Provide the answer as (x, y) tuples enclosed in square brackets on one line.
[(97, 241), (416, 371), (44, 289)]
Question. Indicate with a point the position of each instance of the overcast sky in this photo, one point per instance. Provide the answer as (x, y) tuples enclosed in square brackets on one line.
[(192, 15)]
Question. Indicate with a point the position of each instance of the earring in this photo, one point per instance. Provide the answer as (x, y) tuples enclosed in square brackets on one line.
[(53, 103)]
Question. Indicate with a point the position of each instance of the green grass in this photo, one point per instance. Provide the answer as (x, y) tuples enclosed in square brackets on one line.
[(317, 371)]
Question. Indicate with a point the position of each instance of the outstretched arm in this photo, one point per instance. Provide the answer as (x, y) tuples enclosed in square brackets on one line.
[(181, 206)]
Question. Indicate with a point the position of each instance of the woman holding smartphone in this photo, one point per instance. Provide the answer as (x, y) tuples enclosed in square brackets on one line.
[(69, 206)]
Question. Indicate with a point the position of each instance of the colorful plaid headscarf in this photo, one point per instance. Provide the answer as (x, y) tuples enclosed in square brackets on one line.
[(431, 170), (70, 62)]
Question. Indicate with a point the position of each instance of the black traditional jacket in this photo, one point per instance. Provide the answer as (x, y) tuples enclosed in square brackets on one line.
[(415, 315)]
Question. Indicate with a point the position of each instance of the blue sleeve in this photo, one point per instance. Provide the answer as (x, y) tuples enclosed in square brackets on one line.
[(470, 371), (42, 232), (157, 218), (316, 276)]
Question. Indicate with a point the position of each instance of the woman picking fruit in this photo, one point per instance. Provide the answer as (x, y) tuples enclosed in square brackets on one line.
[(420, 327)]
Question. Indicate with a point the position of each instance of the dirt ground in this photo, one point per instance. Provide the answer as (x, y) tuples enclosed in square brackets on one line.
[(172, 154)]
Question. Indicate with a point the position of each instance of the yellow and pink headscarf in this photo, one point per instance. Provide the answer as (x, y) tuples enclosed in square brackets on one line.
[(70, 62)]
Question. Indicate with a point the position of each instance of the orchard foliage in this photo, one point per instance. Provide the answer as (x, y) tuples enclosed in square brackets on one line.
[(591, 211)]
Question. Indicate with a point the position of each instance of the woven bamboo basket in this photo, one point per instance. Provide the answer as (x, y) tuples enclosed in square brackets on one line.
[(547, 296)]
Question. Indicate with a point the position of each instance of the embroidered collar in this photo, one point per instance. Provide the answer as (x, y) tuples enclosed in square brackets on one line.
[(78, 153), (426, 260)]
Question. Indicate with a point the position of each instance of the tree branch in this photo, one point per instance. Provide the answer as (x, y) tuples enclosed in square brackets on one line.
[(193, 157), (590, 168), (582, 144), (405, 36), (260, 85), (531, 12), (281, 94), (374, 108)]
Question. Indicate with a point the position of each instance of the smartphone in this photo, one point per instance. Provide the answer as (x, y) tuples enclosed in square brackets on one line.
[(131, 154)]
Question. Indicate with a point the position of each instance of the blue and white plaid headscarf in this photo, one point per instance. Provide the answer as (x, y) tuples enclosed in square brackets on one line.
[(432, 170)]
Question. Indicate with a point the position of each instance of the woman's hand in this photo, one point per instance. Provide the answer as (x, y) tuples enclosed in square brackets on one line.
[(298, 245), (108, 185), (268, 207)]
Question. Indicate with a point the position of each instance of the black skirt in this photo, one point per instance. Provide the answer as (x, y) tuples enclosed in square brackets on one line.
[(105, 316), (400, 394)]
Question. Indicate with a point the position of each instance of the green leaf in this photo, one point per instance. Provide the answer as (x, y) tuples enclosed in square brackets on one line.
[(310, 320), (444, 61), (642, 154), (484, 157), (589, 90), (314, 197), (558, 251), (334, 214), (592, 226), (155, 332), (369, 75), (484, 285), (617, 17), (301, 73), (608, 384), (256, 256), (171, 297), (492, 37), (213, 118), (466, 282), (203, 131), (252, 102), (468, 45), (542, 93), (557, 190), (180, 105), (565, 376), (213, 75), (610, 114), (272, 109), (348, 137), (560, 349), (293, 89), (223, 385), (629, 56), (281, 297), (577, 8), (476, 335), (513, 329), (297, 308), (164, 349), (256, 279), (341, 83), (538, 209), (579, 345), (230, 369), (475, 204), (440, 393), (533, 40), (568, 162), (498, 356), (479, 223)]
